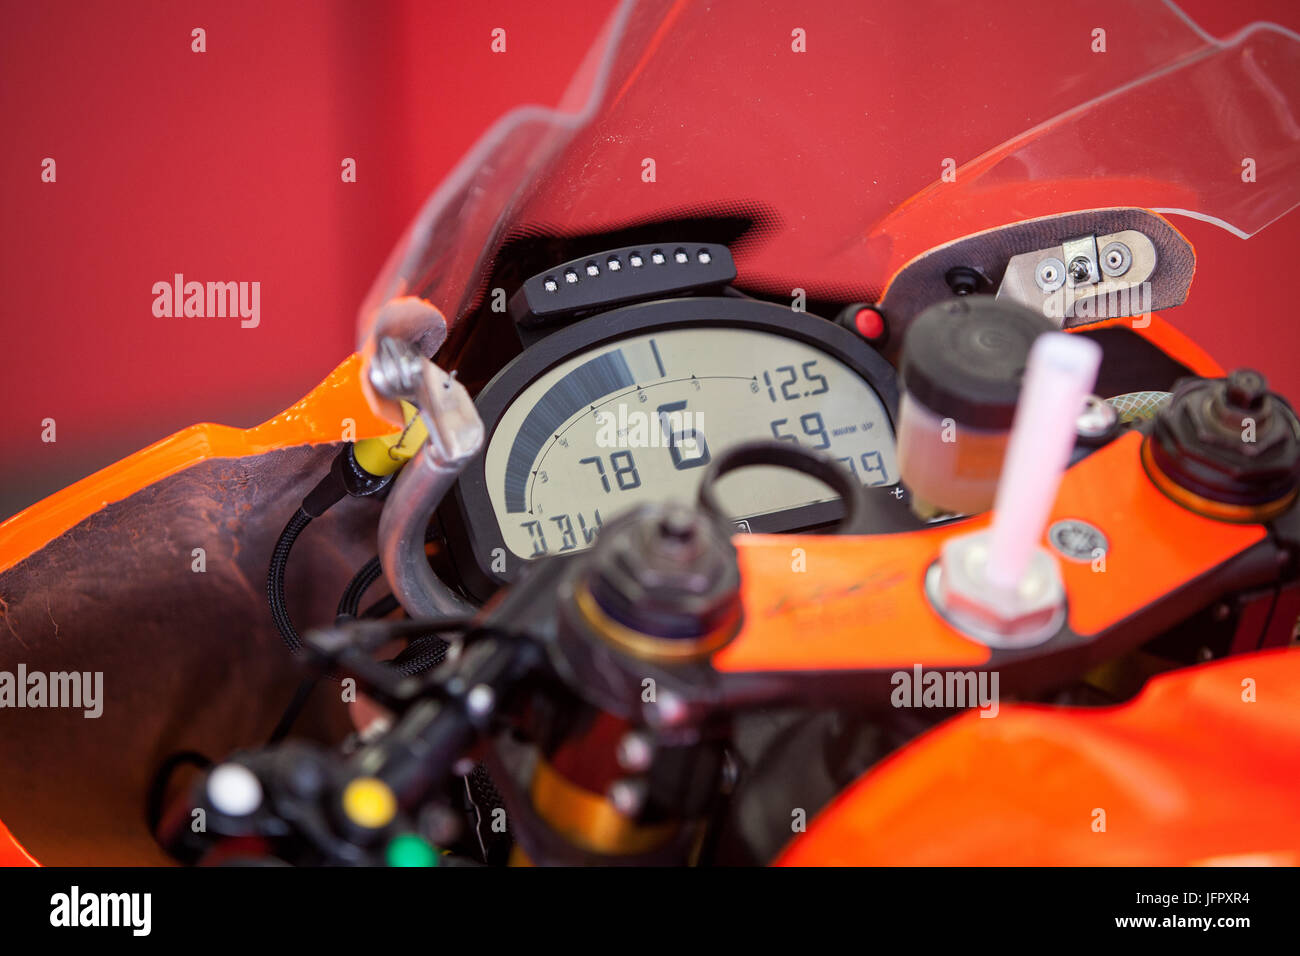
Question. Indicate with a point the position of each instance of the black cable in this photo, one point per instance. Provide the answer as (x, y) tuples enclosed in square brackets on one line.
[(329, 491), (275, 579), (356, 589), (410, 630), (422, 654), (425, 650), (382, 608), (294, 710), (345, 477), (370, 572)]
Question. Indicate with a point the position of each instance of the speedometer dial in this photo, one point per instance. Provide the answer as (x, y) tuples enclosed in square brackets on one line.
[(634, 421), (630, 407)]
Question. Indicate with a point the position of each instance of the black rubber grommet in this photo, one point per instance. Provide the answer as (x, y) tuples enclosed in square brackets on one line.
[(782, 454)]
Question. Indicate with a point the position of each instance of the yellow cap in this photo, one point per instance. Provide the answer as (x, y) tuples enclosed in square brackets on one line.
[(384, 455), (369, 802)]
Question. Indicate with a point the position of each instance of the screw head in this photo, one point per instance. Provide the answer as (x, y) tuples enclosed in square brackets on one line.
[(1096, 419), (1116, 259), (1050, 274)]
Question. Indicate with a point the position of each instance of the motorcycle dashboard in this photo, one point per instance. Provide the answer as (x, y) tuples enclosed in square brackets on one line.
[(630, 406)]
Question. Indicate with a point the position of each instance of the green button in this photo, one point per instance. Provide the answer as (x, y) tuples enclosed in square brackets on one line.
[(409, 850)]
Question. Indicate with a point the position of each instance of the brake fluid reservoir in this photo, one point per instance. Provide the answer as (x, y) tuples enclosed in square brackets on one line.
[(962, 364)]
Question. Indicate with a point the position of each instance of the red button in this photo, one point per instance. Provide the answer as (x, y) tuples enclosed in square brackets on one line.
[(869, 323)]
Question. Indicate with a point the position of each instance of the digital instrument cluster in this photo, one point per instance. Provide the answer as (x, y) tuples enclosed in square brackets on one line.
[(631, 405)]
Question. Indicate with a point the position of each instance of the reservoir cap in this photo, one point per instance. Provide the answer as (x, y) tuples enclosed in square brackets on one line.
[(964, 358)]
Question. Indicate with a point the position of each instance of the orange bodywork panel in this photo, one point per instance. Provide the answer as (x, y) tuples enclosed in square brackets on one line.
[(321, 416), (1201, 768), (12, 852), (860, 602)]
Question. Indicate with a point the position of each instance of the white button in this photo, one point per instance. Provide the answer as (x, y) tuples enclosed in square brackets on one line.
[(233, 789)]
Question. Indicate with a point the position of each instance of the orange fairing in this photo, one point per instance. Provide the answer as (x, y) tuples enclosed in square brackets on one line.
[(859, 603), (12, 852), (1201, 768), (322, 416), (856, 605)]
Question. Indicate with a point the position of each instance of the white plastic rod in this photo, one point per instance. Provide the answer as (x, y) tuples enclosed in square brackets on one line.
[(1061, 372)]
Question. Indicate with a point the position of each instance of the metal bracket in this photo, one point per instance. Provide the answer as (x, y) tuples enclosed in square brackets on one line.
[(1074, 284), (1080, 257)]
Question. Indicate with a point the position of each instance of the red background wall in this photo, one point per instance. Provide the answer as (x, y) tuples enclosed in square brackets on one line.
[(225, 166)]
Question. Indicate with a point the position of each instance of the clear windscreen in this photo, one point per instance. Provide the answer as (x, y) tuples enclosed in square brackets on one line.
[(841, 141)]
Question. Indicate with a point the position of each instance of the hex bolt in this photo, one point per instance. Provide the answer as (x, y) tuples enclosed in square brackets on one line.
[(666, 570), (395, 369), (1199, 442)]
